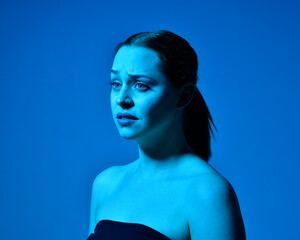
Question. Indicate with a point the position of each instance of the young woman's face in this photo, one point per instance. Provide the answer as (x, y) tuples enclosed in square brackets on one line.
[(141, 89)]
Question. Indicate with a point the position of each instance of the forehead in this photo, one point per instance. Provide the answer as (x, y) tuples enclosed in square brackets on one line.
[(135, 59)]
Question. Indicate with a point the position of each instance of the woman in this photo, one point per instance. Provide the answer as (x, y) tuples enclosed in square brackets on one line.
[(170, 191)]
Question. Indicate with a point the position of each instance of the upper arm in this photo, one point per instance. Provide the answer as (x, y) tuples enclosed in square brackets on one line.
[(213, 210), (99, 191)]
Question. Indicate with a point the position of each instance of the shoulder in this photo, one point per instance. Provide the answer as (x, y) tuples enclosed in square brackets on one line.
[(109, 178), (209, 188), (103, 185), (206, 184), (99, 192), (104, 182), (196, 167), (105, 177), (212, 207)]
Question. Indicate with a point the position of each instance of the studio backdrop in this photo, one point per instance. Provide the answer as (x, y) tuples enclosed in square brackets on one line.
[(56, 128)]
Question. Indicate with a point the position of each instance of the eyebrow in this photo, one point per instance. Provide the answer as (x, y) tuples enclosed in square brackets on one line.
[(114, 71), (134, 76)]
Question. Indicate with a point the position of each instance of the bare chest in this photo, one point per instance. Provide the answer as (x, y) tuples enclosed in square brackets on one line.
[(159, 205)]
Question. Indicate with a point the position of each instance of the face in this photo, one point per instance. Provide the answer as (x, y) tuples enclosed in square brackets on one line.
[(143, 100)]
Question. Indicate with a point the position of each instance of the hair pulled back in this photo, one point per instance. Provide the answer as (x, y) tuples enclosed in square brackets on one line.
[(180, 65)]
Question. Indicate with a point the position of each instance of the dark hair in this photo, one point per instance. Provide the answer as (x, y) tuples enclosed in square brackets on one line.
[(180, 64)]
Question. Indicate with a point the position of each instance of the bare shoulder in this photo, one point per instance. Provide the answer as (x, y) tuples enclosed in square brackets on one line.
[(206, 184), (209, 188), (197, 167), (106, 179), (109, 178), (103, 185), (105, 176), (213, 210)]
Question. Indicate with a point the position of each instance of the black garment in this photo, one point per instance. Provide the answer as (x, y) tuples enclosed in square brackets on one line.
[(114, 230)]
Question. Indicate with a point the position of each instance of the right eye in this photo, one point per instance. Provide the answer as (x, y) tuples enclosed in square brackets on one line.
[(115, 85)]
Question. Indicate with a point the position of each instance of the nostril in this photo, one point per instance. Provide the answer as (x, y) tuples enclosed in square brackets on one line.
[(124, 101)]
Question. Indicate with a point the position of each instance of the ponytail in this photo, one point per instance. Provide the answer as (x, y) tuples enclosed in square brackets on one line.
[(197, 124)]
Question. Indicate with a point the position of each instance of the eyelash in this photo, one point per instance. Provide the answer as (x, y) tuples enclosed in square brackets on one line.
[(113, 83), (146, 87)]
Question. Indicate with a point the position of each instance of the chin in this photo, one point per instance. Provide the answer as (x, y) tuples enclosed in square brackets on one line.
[(128, 137), (124, 133)]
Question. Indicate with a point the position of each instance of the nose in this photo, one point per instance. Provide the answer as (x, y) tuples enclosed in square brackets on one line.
[(124, 101)]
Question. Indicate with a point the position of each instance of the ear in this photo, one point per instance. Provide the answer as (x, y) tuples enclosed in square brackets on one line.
[(186, 94)]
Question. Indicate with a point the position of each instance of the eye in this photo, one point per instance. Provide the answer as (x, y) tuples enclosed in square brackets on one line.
[(142, 86), (115, 85)]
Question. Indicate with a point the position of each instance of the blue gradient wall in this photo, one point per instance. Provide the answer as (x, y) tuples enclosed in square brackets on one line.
[(57, 134)]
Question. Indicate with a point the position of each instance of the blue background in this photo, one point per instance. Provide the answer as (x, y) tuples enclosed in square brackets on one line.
[(56, 129)]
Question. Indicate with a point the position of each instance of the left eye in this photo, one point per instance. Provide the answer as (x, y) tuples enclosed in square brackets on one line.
[(141, 86)]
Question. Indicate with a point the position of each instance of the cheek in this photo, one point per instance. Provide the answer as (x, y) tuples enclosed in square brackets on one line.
[(160, 108)]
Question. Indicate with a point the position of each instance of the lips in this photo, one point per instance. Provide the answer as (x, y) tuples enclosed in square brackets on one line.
[(126, 116), (126, 119)]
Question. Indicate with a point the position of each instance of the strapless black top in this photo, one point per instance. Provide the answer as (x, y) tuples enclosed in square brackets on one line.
[(114, 230)]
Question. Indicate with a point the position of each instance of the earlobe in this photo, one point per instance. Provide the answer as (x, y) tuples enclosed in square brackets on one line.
[(186, 95)]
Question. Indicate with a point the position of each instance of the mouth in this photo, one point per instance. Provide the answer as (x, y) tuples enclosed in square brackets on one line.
[(126, 121), (126, 116)]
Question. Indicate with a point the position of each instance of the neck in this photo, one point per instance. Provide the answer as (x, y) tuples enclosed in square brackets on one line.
[(162, 153)]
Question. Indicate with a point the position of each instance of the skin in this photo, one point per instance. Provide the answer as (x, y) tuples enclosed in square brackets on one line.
[(157, 104), (208, 202)]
